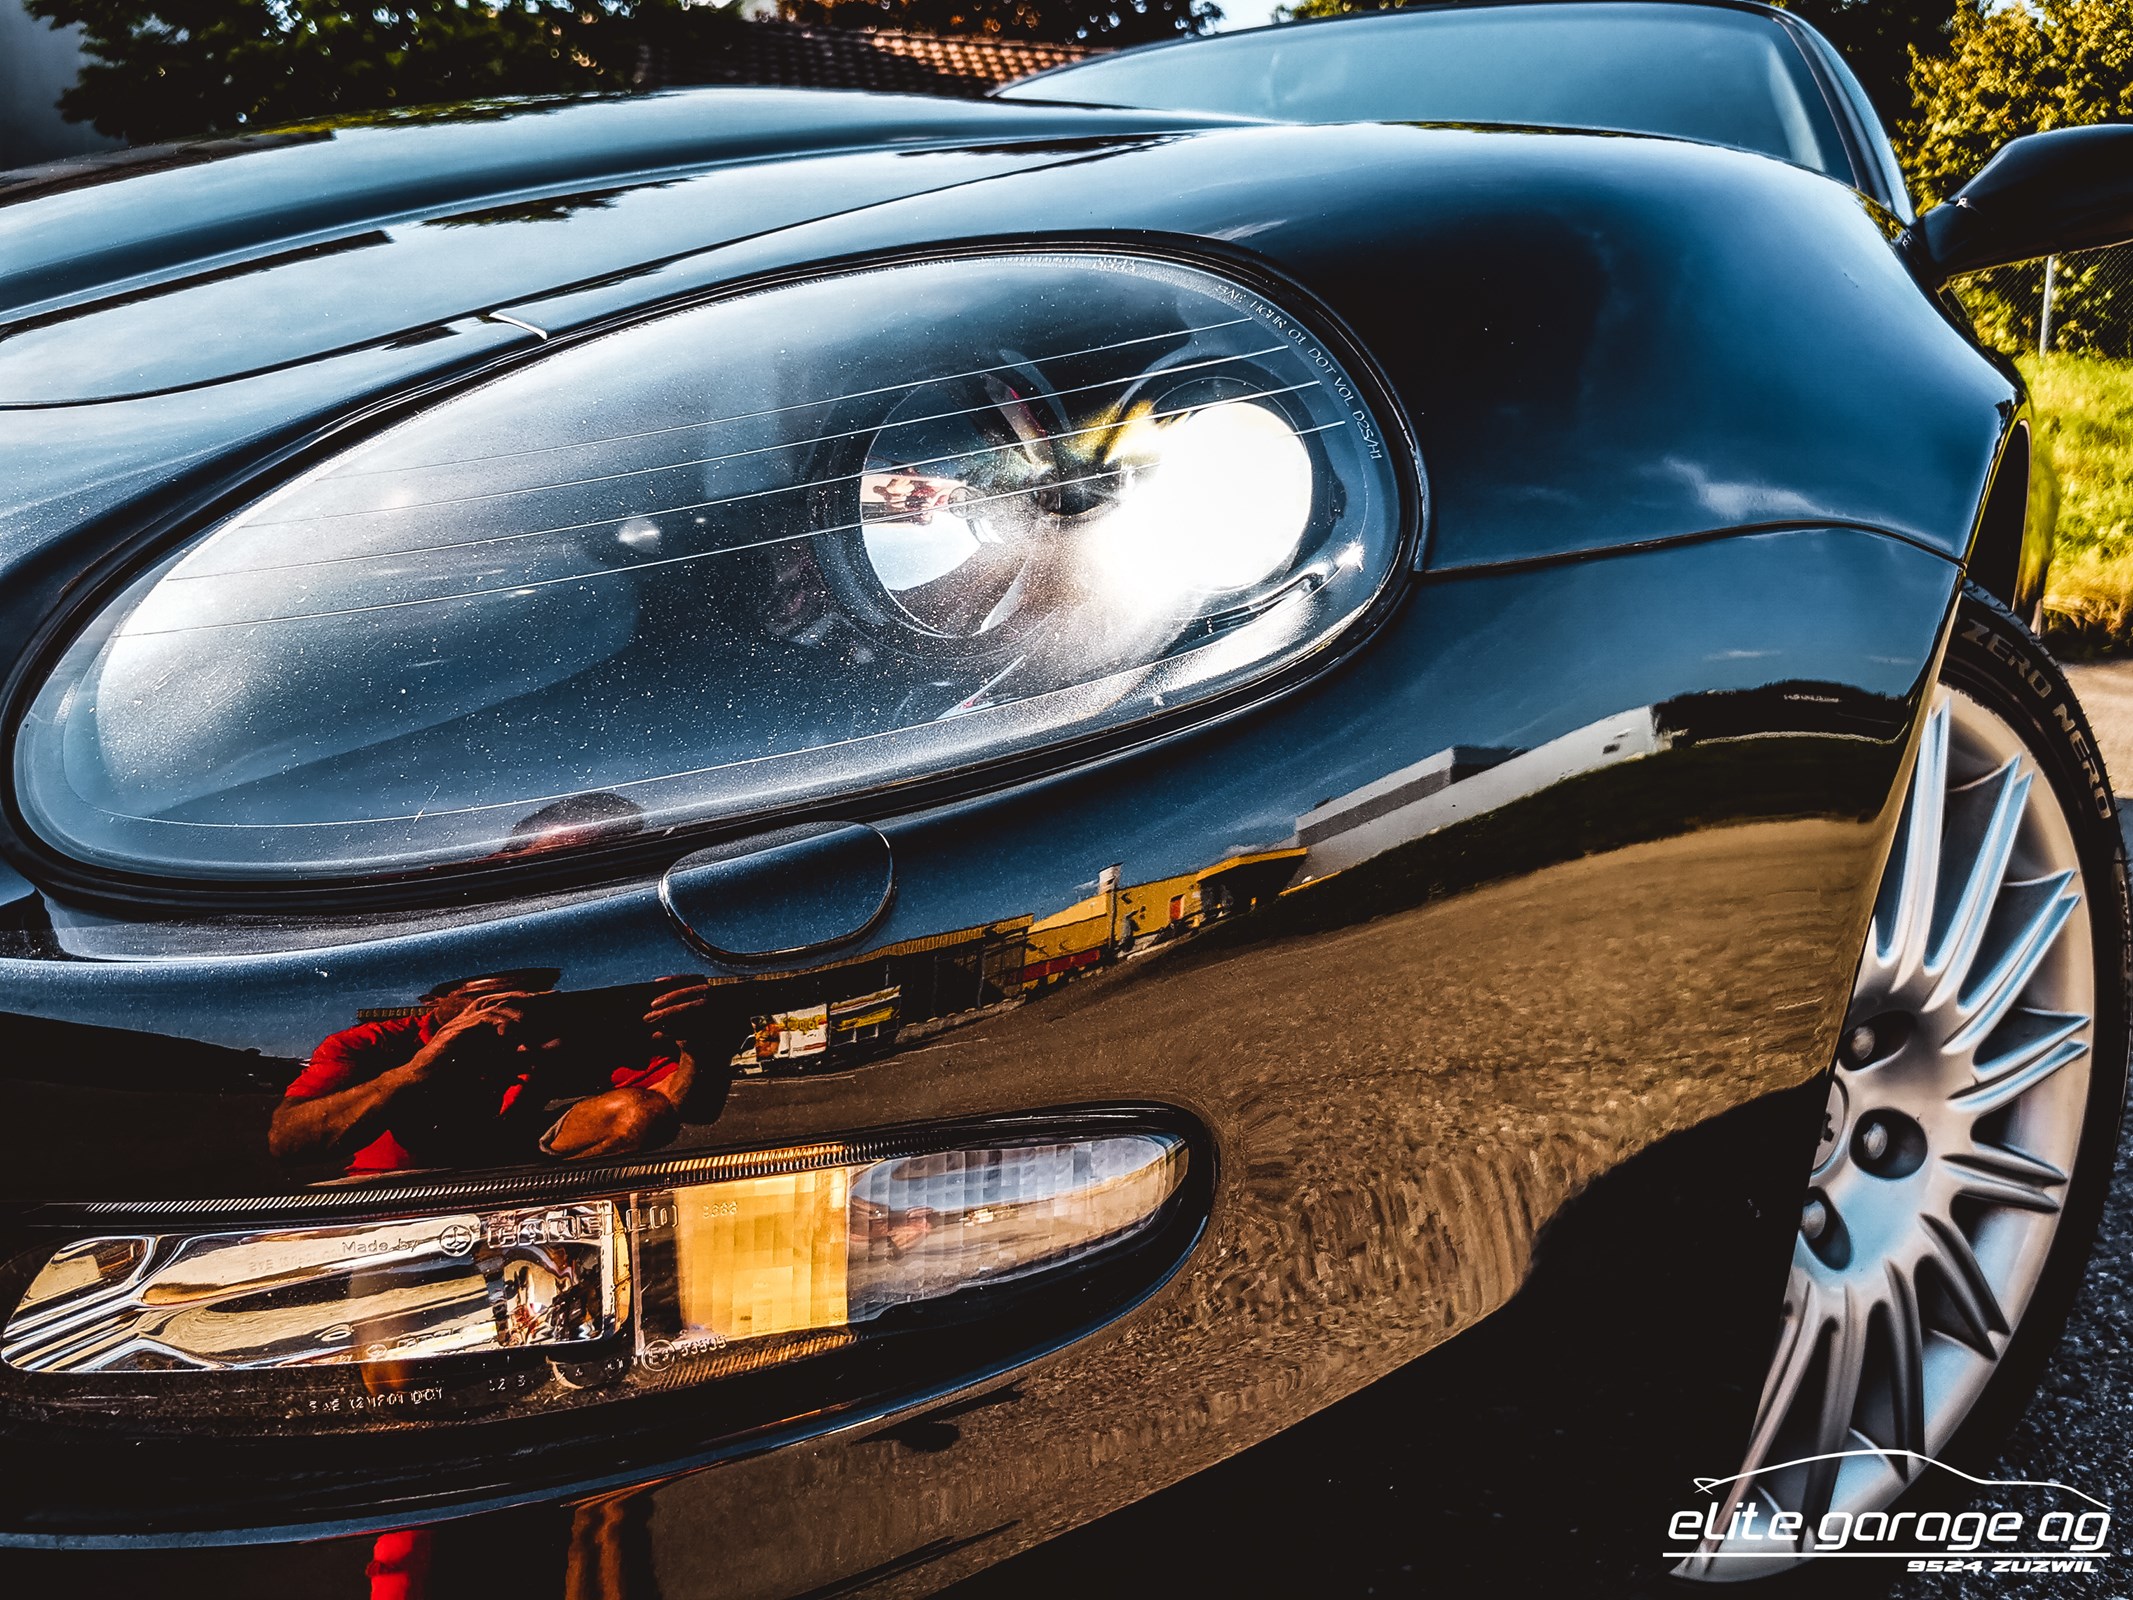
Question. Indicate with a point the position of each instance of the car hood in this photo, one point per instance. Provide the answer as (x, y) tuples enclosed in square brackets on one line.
[(1594, 341), (190, 264)]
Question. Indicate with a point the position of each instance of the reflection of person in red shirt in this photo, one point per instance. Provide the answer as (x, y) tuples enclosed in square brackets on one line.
[(471, 1075)]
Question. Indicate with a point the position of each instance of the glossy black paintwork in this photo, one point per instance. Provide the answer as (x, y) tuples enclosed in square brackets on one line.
[(794, 893), (1574, 853), (1598, 340), (117, 223), (1406, 1067), (398, 280)]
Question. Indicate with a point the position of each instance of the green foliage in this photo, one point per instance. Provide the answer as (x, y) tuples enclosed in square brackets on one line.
[(2092, 304), (165, 69), (1304, 10), (2085, 425), (2010, 70), (1104, 22), (2085, 413)]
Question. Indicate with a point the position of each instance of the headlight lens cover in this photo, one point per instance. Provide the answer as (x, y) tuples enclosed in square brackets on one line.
[(803, 541)]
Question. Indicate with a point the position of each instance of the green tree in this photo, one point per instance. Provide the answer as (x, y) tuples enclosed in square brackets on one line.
[(1101, 22), (2011, 70), (164, 69)]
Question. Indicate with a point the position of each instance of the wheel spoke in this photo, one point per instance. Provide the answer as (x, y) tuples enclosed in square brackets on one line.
[(1963, 1280), (2002, 1162), (2006, 1179), (1841, 1375), (1972, 913), (1799, 1340), (1900, 941), (2024, 1035), (1990, 1000), (1797, 1343), (1907, 1376), (1995, 1092)]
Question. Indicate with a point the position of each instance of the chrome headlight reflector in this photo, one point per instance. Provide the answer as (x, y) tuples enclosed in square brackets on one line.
[(803, 541)]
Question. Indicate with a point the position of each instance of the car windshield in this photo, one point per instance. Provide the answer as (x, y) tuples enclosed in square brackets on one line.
[(1691, 72)]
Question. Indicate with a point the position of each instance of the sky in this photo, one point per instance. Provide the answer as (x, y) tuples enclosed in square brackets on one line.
[(1245, 13)]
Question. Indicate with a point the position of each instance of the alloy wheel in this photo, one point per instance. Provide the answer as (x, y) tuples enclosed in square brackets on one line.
[(1955, 1114)]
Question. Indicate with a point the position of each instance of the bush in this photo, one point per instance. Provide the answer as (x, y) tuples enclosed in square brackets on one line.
[(2007, 71), (2085, 423)]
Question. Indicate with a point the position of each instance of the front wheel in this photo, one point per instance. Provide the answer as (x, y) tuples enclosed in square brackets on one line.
[(1972, 1120)]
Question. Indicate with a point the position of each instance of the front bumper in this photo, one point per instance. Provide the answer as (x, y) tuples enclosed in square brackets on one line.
[(1567, 860)]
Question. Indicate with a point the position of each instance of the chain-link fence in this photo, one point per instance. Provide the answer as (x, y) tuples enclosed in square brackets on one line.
[(2075, 304), (2078, 308)]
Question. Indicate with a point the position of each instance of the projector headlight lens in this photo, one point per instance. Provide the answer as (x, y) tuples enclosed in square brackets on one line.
[(803, 541)]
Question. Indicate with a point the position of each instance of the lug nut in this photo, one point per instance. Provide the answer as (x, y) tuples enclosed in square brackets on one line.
[(1859, 1045), (1874, 1140), (1814, 1220)]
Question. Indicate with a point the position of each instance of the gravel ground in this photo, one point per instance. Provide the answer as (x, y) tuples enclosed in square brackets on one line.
[(2079, 1429), (1520, 1459)]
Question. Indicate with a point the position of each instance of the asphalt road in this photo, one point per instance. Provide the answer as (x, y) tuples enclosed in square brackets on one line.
[(1531, 1455)]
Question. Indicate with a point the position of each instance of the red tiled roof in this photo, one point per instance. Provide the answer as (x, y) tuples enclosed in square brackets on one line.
[(785, 54), (994, 60)]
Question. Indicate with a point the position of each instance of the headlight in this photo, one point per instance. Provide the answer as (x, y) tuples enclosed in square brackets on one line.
[(511, 1310), (799, 542)]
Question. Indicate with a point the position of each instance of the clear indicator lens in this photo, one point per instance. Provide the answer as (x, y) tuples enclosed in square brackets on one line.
[(691, 1268)]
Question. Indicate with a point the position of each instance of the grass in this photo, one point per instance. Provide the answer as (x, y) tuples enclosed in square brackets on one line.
[(2085, 416)]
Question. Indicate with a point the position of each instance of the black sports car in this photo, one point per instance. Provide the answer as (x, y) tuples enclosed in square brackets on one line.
[(760, 842)]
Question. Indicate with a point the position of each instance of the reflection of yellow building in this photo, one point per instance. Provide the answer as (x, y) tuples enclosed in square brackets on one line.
[(1119, 917), (1070, 940), (848, 1009), (860, 1007)]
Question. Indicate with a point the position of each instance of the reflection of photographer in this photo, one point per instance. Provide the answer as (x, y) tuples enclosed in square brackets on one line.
[(478, 1072)]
